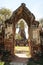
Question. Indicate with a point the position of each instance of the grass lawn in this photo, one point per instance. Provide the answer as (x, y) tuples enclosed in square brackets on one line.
[(22, 48), (22, 51), (1, 63)]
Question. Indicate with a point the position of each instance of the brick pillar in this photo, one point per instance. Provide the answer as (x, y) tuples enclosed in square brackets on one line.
[(14, 29), (29, 40)]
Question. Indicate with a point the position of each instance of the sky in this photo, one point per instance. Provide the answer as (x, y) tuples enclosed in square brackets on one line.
[(35, 6)]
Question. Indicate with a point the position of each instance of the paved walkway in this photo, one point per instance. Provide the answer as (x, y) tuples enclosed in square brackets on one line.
[(22, 55), (18, 63), (19, 59)]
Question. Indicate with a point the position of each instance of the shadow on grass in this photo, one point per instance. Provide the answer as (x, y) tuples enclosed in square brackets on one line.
[(32, 61), (7, 63)]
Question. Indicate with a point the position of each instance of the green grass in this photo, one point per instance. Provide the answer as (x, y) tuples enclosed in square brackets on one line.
[(21, 48), (1, 63)]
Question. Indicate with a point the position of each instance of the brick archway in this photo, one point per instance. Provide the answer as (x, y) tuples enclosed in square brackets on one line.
[(23, 13)]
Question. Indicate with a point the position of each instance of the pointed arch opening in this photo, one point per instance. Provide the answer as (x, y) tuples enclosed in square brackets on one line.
[(22, 26), (21, 39)]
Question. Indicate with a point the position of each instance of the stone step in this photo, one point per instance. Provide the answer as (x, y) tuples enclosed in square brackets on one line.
[(18, 63)]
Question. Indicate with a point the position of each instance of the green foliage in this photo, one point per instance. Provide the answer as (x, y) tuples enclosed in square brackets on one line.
[(41, 21), (4, 63), (17, 36), (1, 63), (22, 25), (5, 14)]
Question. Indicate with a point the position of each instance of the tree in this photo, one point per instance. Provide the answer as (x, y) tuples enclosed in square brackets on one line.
[(22, 30), (41, 21), (17, 36), (21, 25), (6, 13)]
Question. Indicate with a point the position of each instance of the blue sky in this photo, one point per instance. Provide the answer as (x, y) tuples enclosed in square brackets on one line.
[(35, 6)]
